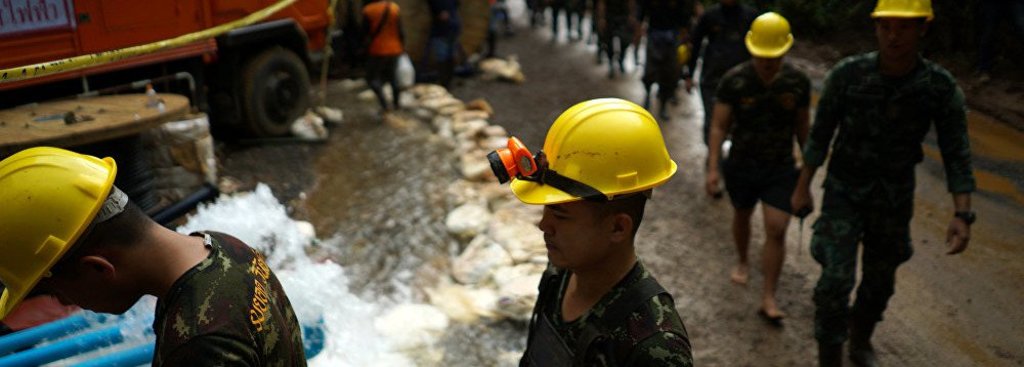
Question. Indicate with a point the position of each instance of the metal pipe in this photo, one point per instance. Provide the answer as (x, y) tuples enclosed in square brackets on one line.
[(131, 357), (64, 348), (141, 84), (53, 330)]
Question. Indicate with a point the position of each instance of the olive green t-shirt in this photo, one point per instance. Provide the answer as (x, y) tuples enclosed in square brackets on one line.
[(228, 310)]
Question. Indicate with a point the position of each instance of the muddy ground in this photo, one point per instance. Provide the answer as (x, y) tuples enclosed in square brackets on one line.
[(948, 310)]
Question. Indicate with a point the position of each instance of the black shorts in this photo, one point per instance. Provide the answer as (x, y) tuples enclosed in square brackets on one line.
[(772, 184)]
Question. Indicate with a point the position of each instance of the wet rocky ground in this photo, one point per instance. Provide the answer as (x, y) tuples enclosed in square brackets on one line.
[(380, 189)]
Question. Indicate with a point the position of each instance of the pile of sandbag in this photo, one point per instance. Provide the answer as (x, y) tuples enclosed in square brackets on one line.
[(497, 273)]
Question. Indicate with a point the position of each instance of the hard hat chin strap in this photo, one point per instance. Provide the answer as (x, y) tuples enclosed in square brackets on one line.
[(547, 176)]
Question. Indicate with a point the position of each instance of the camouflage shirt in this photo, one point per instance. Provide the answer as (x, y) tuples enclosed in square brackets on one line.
[(654, 334), (882, 122), (765, 117), (228, 310)]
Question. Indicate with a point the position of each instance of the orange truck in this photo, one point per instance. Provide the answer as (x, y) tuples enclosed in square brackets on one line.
[(253, 80)]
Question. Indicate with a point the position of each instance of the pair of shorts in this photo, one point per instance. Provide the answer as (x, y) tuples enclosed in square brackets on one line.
[(772, 184)]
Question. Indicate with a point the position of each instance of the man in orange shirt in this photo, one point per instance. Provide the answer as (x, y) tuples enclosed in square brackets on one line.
[(385, 40)]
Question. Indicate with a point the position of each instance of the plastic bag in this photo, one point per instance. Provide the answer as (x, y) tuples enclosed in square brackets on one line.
[(406, 73)]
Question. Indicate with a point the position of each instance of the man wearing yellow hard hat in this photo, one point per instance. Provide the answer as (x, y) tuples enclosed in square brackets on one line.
[(882, 103), (598, 304), (66, 230), (763, 104)]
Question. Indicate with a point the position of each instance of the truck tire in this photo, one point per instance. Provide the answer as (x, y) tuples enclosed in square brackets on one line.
[(275, 92)]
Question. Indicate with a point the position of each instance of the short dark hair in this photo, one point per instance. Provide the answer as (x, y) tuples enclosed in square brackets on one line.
[(632, 205), (125, 229)]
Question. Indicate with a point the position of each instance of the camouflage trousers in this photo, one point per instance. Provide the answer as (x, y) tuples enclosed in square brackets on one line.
[(880, 219)]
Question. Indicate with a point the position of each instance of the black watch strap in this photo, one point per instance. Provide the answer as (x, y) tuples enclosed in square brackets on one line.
[(967, 216)]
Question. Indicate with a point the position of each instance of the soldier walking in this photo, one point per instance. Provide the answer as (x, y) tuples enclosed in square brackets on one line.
[(724, 25), (764, 104), (883, 103)]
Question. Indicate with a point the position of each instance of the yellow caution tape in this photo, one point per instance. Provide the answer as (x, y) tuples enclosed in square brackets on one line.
[(84, 61)]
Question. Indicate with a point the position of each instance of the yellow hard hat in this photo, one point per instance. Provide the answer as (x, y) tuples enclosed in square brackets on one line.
[(903, 9), (49, 196), (769, 36), (609, 144), (683, 54)]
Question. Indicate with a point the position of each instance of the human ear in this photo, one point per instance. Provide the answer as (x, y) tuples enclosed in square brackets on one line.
[(622, 227), (97, 265)]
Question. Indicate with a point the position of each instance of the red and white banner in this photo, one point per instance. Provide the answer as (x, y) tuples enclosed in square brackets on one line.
[(24, 16)]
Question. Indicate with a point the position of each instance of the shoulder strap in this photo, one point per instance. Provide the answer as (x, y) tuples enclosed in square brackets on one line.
[(549, 284), (636, 295), (383, 19)]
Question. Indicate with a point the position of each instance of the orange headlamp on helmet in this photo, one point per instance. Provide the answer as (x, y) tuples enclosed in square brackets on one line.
[(517, 162)]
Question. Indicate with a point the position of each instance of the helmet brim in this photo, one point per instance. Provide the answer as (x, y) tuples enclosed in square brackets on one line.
[(768, 52)]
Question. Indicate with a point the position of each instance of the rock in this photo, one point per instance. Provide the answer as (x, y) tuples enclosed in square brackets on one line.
[(462, 303), (496, 131), (469, 127), (515, 229), (438, 103), (367, 96), (309, 127), (496, 195), (469, 115), (350, 85), (480, 258), (423, 91), (475, 167), (443, 126), (411, 326), (517, 296), (507, 70), (228, 185), (468, 221), (461, 192), (507, 275), (451, 109), (492, 143), (480, 104)]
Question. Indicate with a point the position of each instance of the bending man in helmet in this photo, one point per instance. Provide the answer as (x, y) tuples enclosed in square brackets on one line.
[(883, 103), (66, 230), (764, 104), (598, 304)]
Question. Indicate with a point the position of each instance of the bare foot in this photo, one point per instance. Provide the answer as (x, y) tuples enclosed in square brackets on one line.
[(771, 310), (739, 274)]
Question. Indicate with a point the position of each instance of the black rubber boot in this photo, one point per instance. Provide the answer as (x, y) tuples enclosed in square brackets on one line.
[(830, 355), (862, 354)]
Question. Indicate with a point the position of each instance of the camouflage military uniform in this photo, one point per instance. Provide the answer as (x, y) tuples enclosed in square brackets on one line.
[(760, 163), (652, 334), (229, 310), (869, 190)]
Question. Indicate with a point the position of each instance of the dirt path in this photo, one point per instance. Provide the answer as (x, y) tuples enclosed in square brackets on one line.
[(952, 311)]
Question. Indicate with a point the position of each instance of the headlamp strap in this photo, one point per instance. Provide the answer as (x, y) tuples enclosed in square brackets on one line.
[(572, 187)]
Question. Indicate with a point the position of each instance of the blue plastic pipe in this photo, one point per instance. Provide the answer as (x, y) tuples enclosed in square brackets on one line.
[(313, 343), (132, 357), (65, 348), (53, 330)]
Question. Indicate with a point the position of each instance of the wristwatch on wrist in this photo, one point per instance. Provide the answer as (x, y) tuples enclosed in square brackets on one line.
[(967, 216)]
